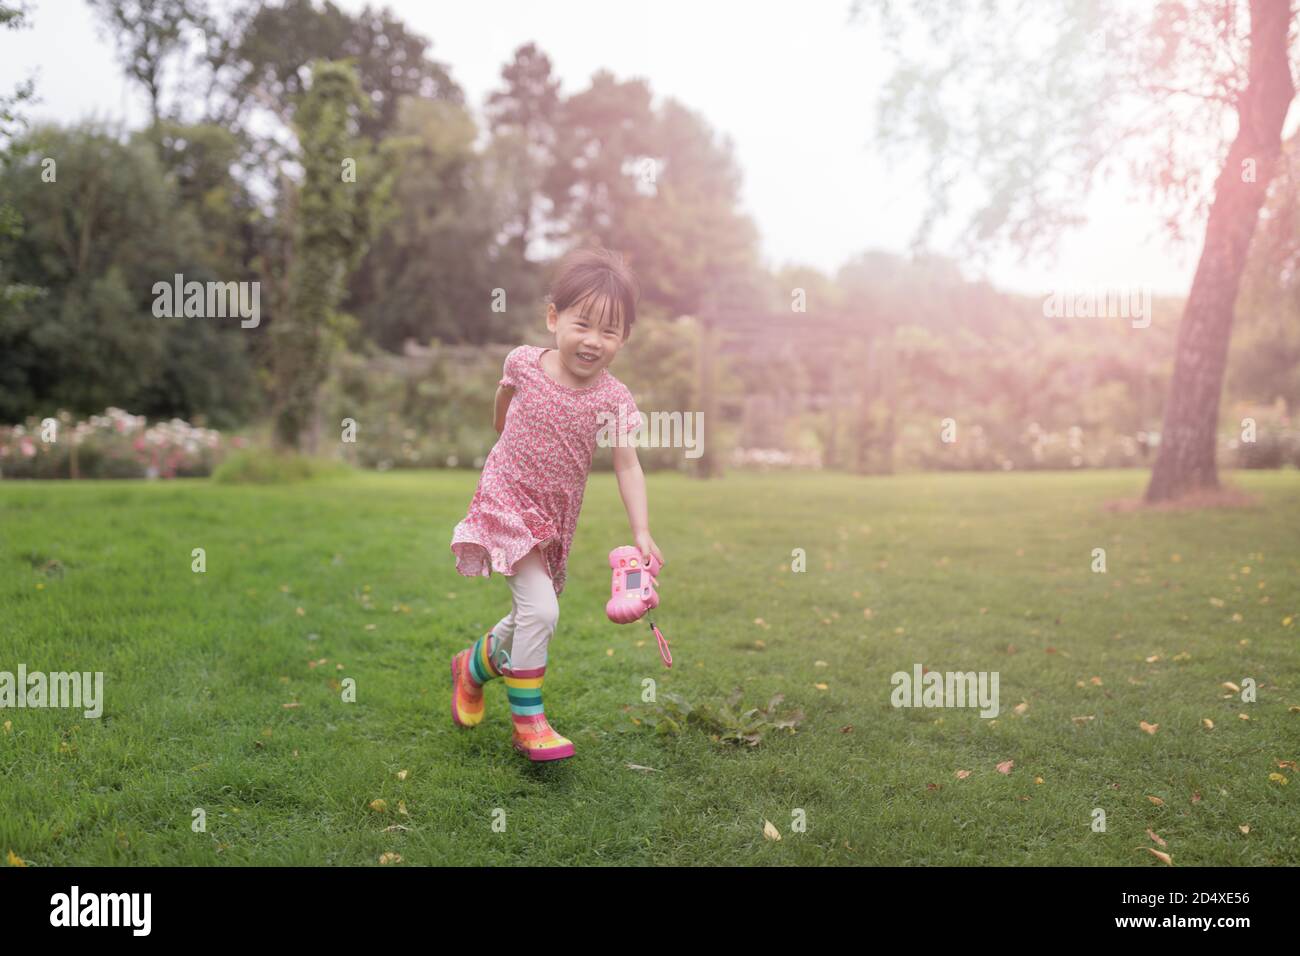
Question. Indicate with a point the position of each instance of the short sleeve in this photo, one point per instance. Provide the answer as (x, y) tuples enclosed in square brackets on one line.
[(628, 416), (510, 371)]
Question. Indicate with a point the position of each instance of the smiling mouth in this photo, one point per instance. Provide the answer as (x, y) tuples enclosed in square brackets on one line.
[(587, 358)]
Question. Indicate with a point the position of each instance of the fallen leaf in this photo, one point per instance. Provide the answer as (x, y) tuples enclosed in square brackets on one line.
[(821, 686), (1083, 719), (1157, 801), (1231, 686), (1038, 780), (932, 786), (770, 832), (291, 705), (1149, 728), (1005, 766), (1164, 858), (379, 806), (13, 859), (962, 774), (1196, 796), (1020, 708), (386, 858), (1243, 716), (1278, 778), (402, 774), (1152, 834), (1207, 723), (1244, 828), (637, 766)]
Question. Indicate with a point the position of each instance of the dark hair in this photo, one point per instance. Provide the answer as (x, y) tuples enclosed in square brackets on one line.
[(594, 272)]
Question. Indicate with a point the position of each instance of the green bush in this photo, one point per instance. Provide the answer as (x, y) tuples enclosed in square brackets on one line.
[(264, 467)]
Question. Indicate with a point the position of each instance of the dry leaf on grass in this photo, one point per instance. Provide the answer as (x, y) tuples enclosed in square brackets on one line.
[(770, 832), (1164, 858)]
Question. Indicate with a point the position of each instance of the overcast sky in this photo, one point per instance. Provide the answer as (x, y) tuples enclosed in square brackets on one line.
[(794, 88)]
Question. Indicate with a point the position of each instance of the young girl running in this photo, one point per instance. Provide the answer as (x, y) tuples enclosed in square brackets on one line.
[(550, 405)]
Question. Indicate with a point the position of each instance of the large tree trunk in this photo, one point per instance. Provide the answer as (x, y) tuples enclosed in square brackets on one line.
[(1186, 461)]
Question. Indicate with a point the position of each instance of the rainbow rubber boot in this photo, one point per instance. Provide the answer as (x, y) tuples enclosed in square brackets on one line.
[(533, 735), (470, 670)]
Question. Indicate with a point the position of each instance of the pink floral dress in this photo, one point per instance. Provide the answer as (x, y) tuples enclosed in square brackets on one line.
[(531, 488)]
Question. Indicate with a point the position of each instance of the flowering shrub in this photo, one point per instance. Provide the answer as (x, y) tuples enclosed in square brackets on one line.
[(769, 459), (116, 444)]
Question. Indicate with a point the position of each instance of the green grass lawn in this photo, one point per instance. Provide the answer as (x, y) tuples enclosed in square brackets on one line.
[(959, 572)]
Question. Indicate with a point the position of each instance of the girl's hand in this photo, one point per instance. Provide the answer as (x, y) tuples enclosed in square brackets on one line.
[(646, 545)]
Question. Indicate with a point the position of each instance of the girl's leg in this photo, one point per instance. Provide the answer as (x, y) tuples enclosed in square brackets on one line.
[(536, 613), (491, 651), (474, 667), (532, 620)]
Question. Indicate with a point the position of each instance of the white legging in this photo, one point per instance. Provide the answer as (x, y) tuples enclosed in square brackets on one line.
[(526, 631)]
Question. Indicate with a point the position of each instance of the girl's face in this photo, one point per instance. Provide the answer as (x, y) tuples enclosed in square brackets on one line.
[(585, 340)]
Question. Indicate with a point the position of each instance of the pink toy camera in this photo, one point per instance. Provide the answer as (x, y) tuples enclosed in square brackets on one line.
[(633, 592)]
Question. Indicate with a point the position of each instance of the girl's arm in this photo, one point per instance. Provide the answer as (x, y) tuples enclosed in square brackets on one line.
[(504, 394), (631, 485)]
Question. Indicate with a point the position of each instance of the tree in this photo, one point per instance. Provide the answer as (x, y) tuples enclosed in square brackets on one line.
[(332, 224), (148, 33), (1038, 99), (431, 270), (12, 293), (1264, 364), (524, 117), (96, 239)]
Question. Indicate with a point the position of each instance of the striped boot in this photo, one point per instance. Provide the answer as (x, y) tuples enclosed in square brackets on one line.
[(470, 670), (533, 736)]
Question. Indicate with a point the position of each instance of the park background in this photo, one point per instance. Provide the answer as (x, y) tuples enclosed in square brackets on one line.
[(829, 391)]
